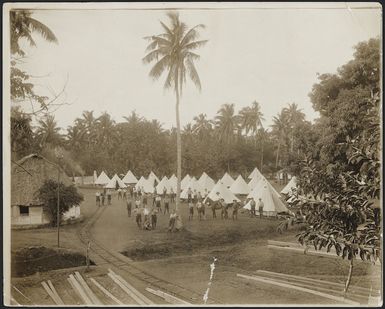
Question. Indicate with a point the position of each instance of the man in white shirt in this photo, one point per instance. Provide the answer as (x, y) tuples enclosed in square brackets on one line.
[(260, 207)]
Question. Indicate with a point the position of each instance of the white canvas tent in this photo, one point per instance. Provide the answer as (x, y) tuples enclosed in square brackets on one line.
[(164, 183), (194, 186), (115, 180), (259, 184), (240, 186), (272, 203), (255, 174), (140, 183), (227, 180), (129, 178), (103, 179), (146, 185), (153, 176), (221, 191), (253, 182), (292, 184), (206, 182), (185, 181), (172, 181)]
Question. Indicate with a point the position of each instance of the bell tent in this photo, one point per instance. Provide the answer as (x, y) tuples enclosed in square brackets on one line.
[(206, 182), (185, 181), (129, 178), (292, 184), (255, 174), (272, 203), (164, 183), (194, 186), (115, 182), (227, 180), (240, 186), (221, 191), (102, 179)]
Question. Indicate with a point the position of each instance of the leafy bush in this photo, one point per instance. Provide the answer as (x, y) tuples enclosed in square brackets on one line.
[(68, 197)]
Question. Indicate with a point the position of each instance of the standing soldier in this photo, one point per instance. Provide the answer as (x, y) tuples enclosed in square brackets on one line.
[(109, 196), (124, 194), (103, 198), (252, 206), (236, 206), (166, 205), (157, 203), (129, 205), (98, 198), (191, 210), (260, 208), (138, 214), (144, 199), (172, 195), (154, 218), (164, 192)]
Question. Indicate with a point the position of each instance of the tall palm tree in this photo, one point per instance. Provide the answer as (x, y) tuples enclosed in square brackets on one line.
[(202, 125), (294, 117), (48, 131), (227, 124), (105, 130), (22, 25), (279, 130), (173, 52), (133, 119)]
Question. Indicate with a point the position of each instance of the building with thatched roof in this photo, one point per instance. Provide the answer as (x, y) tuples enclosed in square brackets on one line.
[(27, 176)]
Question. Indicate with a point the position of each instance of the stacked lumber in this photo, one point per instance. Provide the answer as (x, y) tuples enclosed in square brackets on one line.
[(137, 296), (326, 289)]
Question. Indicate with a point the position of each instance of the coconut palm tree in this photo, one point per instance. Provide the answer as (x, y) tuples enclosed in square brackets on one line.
[(202, 125), (48, 131), (279, 131), (173, 53), (227, 125), (22, 25), (133, 119), (294, 117)]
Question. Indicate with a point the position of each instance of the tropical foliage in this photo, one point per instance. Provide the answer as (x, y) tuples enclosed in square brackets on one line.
[(68, 197), (339, 183)]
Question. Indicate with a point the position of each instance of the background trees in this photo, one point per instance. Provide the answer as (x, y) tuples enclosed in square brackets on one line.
[(339, 181)]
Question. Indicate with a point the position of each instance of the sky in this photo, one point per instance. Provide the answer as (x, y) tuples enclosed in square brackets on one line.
[(272, 56)]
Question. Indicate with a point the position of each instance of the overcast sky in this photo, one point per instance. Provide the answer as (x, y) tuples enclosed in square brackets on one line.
[(268, 55)]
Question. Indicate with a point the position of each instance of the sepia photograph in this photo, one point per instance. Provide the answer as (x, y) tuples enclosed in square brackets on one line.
[(192, 154)]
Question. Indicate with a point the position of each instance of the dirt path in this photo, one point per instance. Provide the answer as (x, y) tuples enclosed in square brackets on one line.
[(116, 231)]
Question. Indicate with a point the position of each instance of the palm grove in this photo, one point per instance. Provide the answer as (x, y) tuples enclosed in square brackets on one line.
[(336, 158)]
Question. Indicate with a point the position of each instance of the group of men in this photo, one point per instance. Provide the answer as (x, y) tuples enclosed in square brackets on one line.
[(148, 206), (101, 197)]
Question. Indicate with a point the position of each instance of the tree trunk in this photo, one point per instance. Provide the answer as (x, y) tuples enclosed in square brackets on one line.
[(261, 167), (349, 277), (276, 158), (178, 151)]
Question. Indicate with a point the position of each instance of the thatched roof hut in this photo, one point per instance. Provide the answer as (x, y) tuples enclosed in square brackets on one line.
[(28, 175)]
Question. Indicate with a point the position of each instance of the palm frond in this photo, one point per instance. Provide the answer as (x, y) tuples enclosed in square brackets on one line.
[(192, 55), (195, 44), (193, 73), (155, 54), (170, 76), (192, 34), (160, 67), (167, 29), (42, 29), (152, 45)]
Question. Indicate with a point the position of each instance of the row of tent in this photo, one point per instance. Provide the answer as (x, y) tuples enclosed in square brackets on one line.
[(226, 188)]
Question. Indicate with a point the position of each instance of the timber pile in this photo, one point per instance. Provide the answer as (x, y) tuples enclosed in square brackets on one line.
[(330, 290)]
